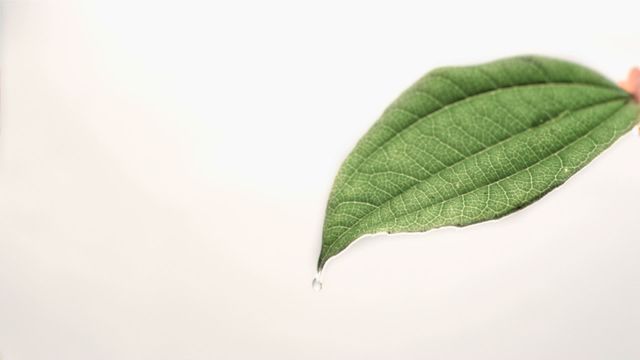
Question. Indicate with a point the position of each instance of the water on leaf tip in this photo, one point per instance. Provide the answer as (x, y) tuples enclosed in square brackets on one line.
[(317, 283)]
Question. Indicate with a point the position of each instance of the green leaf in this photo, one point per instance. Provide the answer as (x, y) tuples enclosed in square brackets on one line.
[(470, 144)]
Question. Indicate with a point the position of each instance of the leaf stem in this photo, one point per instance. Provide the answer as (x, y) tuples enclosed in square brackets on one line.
[(632, 86)]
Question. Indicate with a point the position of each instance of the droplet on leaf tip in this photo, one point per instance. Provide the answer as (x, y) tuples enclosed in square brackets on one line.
[(317, 283)]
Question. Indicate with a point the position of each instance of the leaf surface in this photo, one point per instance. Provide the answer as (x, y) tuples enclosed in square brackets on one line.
[(470, 144)]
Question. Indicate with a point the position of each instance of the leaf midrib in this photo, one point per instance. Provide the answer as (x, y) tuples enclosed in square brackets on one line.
[(336, 241), (447, 106)]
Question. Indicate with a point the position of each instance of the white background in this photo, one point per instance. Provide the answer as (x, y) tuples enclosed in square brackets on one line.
[(164, 168)]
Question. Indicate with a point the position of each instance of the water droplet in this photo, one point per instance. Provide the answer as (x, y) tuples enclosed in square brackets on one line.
[(566, 169), (317, 283)]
